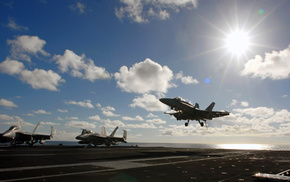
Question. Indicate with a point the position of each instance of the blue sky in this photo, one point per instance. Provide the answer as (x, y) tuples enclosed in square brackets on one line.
[(87, 64)]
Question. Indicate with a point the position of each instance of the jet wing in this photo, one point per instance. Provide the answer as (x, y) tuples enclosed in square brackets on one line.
[(117, 139), (23, 136), (41, 137), (208, 115)]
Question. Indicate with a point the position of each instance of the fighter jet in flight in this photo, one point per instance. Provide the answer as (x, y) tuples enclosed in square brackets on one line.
[(15, 135), (185, 111), (92, 138)]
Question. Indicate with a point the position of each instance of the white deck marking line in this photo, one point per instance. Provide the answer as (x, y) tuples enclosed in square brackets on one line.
[(110, 164), (116, 169)]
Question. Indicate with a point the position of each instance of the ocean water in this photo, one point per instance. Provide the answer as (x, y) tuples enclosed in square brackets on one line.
[(188, 145)]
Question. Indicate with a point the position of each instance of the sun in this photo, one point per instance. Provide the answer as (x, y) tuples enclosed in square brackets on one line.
[(237, 42)]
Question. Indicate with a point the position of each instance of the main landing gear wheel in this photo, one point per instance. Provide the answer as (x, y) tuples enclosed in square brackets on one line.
[(186, 124)]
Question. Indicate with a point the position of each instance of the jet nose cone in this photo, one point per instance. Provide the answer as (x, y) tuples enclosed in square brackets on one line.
[(8, 134), (162, 100), (165, 100), (78, 137)]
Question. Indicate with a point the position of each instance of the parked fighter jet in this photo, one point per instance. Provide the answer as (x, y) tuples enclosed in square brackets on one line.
[(89, 137), (185, 111), (15, 135)]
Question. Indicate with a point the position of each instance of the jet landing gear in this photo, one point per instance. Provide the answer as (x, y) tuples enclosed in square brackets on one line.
[(202, 123), (186, 124)]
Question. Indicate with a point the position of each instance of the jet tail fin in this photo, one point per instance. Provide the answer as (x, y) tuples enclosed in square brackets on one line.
[(125, 135), (210, 107), (35, 128), (113, 133), (104, 133), (51, 132)]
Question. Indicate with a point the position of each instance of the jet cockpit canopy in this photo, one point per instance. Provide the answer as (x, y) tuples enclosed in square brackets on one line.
[(86, 131)]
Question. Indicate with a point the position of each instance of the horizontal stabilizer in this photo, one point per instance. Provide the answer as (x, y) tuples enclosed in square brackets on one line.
[(210, 107)]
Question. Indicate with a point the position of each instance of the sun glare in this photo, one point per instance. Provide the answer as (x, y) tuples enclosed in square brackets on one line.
[(237, 42)]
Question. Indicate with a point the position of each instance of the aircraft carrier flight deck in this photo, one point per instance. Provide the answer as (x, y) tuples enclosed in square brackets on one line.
[(76, 163)]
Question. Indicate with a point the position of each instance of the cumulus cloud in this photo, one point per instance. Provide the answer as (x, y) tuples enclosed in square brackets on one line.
[(49, 123), (80, 124), (14, 26), (63, 111), (108, 111), (149, 103), (136, 118), (86, 103), (275, 65), (144, 77), (141, 11), (256, 112), (186, 79), (41, 111), (7, 103), (95, 117), (22, 47), (80, 66), (38, 78), (41, 79), (235, 103), (11, 67), (13, 120), (156, 121)]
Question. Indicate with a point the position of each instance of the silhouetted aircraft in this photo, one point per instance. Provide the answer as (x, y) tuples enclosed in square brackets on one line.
[(185, 111), (92, 138), (15, 135)]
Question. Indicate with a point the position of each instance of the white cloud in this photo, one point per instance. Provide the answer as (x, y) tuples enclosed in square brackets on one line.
[(150, 115), (256, 112), (86, 103), (7, 103), (41, 79), (186, 79), (140, 11), (108, 111), (156, 121), (80, 66), (80, 7), (236, 103), (11, 67), (80, 124), (275, 65), (14, 26), (22, 47), (13, 120), (149, 103), (63, 111), (245, 104), (136, 118), (144, 77), (143, 125), (38, 78), (95, 117), (41, 111), (49, 123)]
